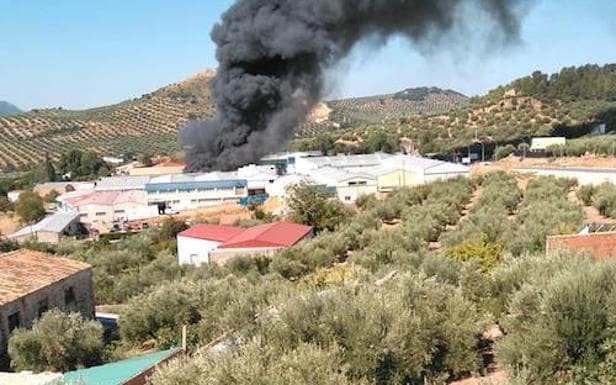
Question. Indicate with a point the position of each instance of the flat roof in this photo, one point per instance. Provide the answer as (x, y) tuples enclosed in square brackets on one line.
[(574, 169), (23, 272)]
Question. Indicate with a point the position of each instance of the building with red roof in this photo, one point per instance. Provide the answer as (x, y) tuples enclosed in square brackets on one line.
[(215, 244)]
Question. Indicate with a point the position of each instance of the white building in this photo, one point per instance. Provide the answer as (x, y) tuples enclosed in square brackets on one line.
[(308, 164), (427, 170), (584, 176), (122, 183), (202, 244), (190, 191), (348, 185), (50, 229), (542, 144)]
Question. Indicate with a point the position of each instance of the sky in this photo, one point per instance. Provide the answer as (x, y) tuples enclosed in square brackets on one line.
[(79, 54)]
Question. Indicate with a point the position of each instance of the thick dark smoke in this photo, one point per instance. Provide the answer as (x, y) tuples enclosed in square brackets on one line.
[(272, 55)]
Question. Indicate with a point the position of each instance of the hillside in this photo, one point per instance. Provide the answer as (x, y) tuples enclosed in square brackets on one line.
[(571, 103), (379, 108), (7, 109), (149, 123)]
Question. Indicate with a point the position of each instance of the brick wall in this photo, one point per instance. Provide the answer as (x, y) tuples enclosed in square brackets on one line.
[(599, 245)]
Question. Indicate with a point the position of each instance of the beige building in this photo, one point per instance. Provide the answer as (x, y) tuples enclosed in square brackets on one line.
[(50, 229), (32, 282), (347, 185), (104, 209)]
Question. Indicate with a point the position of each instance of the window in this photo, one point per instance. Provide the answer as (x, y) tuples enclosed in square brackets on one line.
[(69, 296), (193, 259), (119, 212), (101, 214), (14, 321), (43, 306), (347, 198)]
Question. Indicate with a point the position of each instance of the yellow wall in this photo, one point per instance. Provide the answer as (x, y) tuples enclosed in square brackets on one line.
[(397, 179)]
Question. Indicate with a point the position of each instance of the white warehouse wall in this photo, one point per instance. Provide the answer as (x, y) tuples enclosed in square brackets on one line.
[(193, 251)]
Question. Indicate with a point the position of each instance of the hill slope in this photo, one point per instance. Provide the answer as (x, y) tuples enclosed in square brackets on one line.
[(149, 123), (571, 103), (379, 108), (7, 109)]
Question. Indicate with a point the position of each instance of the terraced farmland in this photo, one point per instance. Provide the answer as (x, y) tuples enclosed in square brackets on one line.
[(149, 123), (377, 109)]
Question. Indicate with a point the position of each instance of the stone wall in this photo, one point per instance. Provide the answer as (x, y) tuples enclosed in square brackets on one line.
[(57, 295)]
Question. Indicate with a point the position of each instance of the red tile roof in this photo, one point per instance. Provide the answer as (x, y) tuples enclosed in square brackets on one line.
[(25, 271), (212, 232), (277, 234)]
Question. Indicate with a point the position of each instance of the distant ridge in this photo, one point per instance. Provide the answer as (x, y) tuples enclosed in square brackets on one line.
[(146, 124), (7, 109)]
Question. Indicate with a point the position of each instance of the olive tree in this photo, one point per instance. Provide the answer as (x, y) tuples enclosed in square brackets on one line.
[(57, 342)]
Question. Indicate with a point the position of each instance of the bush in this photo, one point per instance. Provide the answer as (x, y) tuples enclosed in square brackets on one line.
[(487, 253), (30, 207), (257, 362), (312, 206), (171, 228), (559, 328), (585, 194), (57, 342)]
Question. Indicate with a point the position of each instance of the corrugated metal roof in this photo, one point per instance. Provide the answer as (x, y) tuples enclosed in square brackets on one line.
[(229, 183), (112, 183), (55, 223), (117, 373), (344, 161), (25, 271), (331, 175)]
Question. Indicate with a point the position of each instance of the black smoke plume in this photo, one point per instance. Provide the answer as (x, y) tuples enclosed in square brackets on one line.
[(273, 53)]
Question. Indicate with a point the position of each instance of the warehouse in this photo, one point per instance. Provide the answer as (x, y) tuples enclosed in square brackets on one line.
[(348, 185), (50, 229), (584, 176), (104, 210), (189, 191), (122, 183), (202, 244), (403, 170), (308, 164)]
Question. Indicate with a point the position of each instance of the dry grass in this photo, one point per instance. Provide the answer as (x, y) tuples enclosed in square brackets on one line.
[(8, 224)]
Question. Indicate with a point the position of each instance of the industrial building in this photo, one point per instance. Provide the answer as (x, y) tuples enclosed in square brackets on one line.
[(32, 282), (347, 184), (307, 164), (584, 175), (202, 244), (103, 210), (50, 229), (187, 191)]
